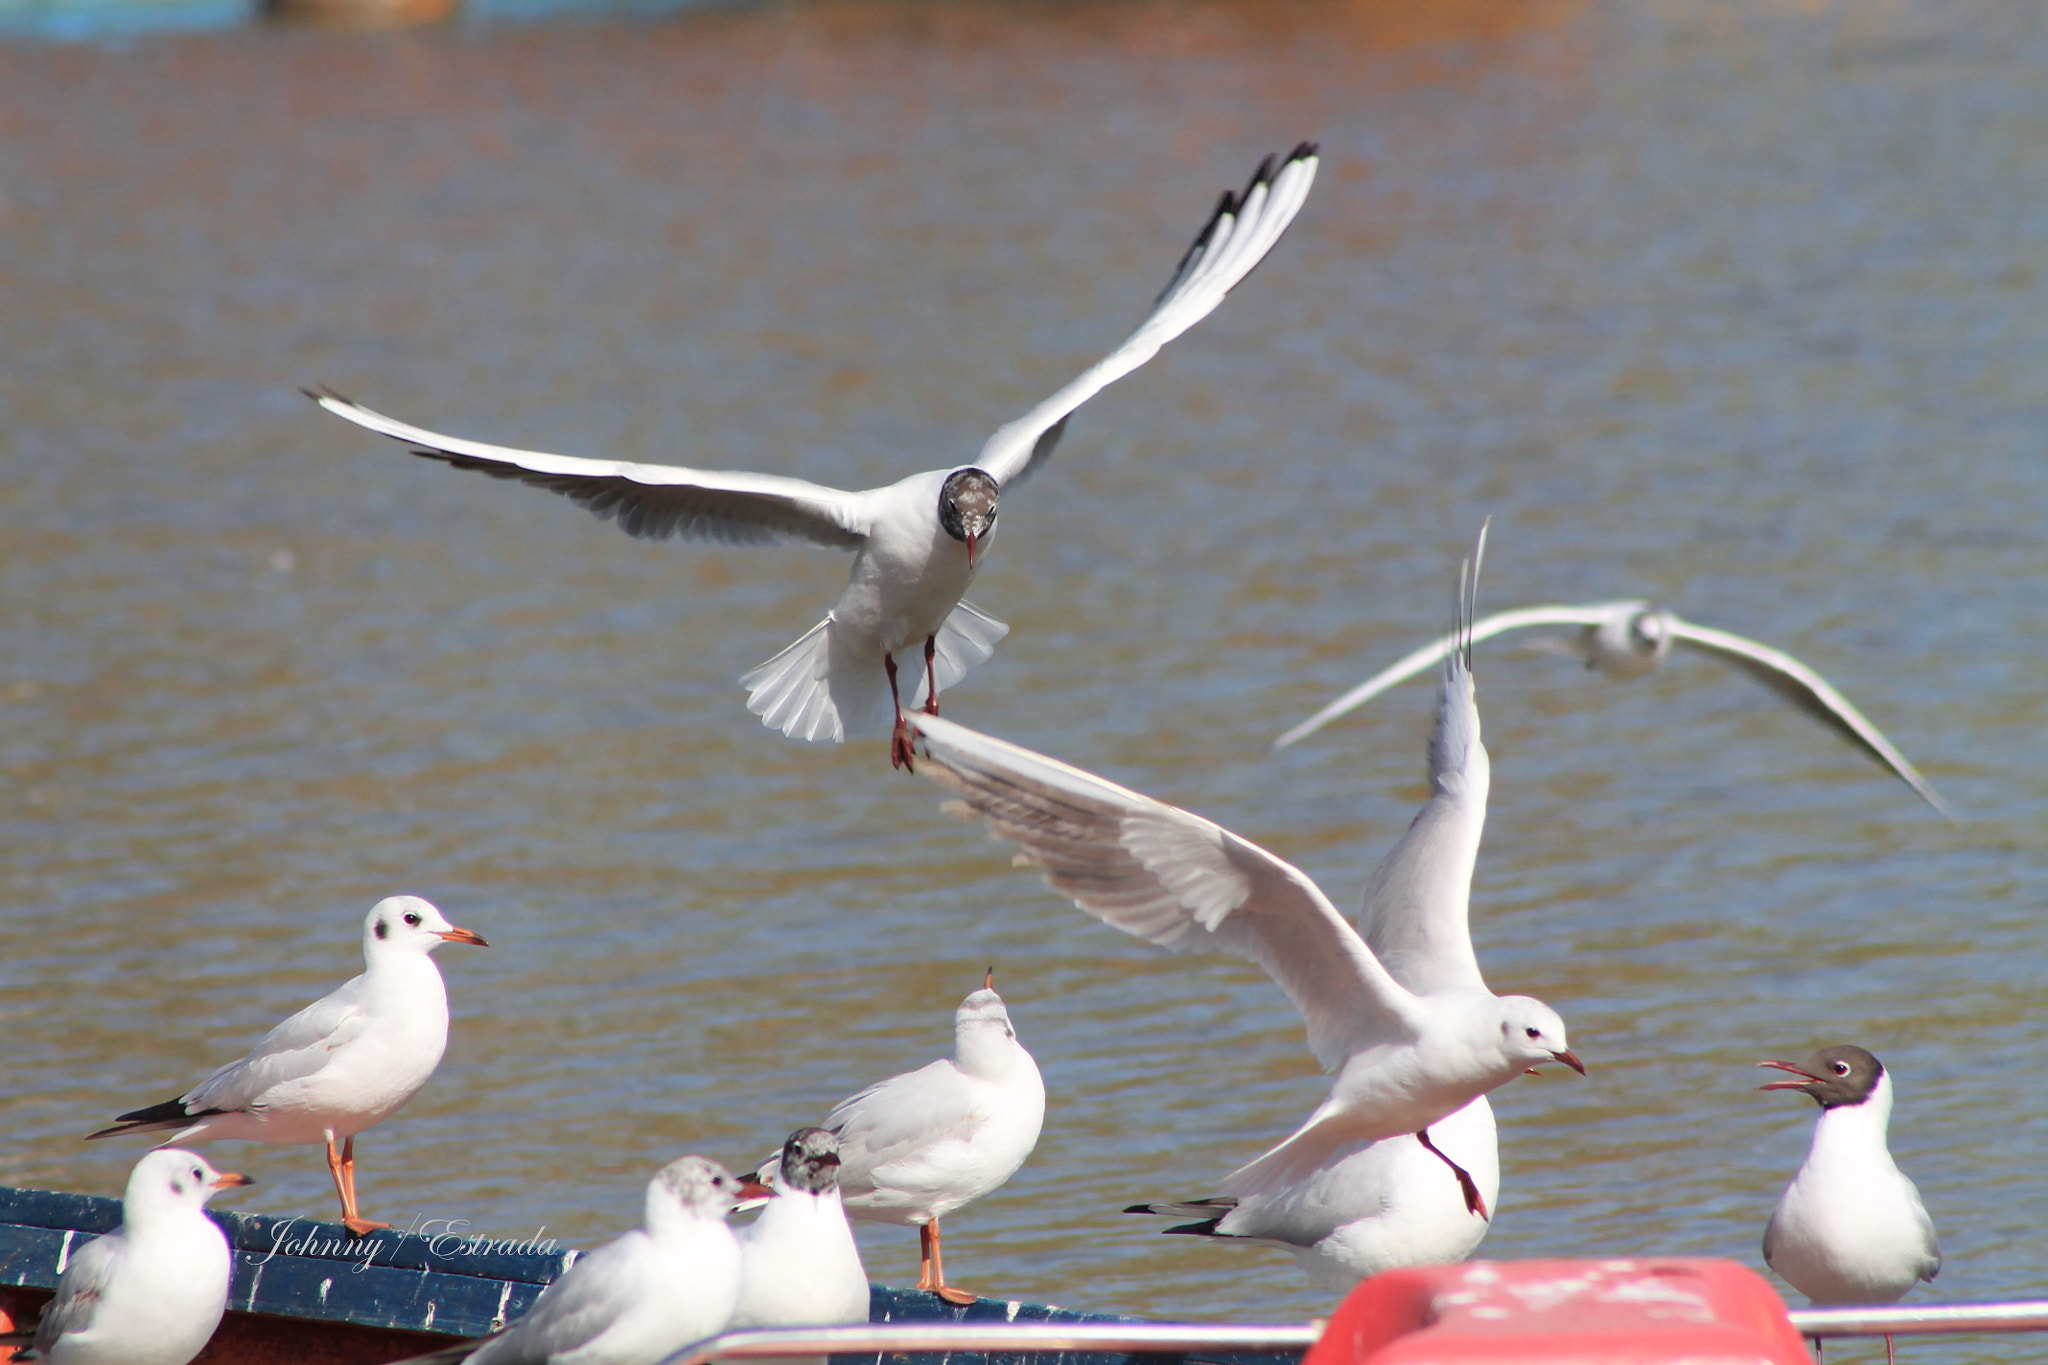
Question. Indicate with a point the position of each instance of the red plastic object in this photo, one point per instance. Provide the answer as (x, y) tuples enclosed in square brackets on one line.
[(1634, 1312)]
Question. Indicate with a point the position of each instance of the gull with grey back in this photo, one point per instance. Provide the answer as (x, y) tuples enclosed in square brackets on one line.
[(1629, 639), (1404, 1059), (916, 544), (342, 1064), (152, 1291)]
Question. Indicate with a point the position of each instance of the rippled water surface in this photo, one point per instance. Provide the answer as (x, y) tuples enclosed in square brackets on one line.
[(1737, 306)]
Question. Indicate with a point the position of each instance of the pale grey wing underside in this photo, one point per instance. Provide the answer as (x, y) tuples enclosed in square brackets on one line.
[(298, 1046), (1236, 238), (1177, 880), (1811, 693), (79, 1290), (651, 501), (1433, 653)]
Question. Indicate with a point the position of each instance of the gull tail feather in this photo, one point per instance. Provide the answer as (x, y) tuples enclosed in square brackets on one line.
[(967, 638), (792, 692)]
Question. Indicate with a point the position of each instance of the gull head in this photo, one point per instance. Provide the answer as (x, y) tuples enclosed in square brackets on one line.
[(1531, 1033), (171, 1177), (1834, 1076), (1633, 640), (984, 1039), (967, 508), (692, 1186), (810, 1162), (410, 924)]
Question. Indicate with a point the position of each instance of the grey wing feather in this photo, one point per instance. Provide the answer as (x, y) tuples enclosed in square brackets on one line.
[(1811, 693), (1175, 879), (576, 1309), (79, 1290), (1434, 653), (893, 1118), (296, 1048), (651, 501), (1236, 238)]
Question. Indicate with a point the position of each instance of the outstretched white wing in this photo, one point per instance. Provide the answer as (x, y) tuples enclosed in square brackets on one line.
[(1180, 881), (651, 501), (1237, 237), (1432, 653), (1808, 691)]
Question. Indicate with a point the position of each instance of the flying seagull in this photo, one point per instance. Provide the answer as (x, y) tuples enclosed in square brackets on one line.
[(917, 543), (1629, 639)]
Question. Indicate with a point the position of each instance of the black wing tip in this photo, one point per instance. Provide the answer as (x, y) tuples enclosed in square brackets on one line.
[(321, 393), (157, 1113), (1206, 1228)]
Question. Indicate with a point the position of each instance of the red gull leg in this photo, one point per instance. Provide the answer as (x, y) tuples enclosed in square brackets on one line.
[(900, 755), (1473, 1203), (931, 678), (350, 1219), (939, 1287)]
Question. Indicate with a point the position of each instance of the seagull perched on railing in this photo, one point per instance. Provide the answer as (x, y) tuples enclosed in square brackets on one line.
[(1630, 639), (917, 543), (1404, 1058), (344, 1063)]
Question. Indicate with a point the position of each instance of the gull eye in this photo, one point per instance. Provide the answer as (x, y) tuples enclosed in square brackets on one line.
[(1533, 1032), (412, 918), (1841, 1068)]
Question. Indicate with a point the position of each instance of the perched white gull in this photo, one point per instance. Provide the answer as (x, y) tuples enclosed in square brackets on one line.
[(639, 1298), (1381, 1205), (1405, 1059), (799, 1266), (916, 1147), (1629, 639), (1850, 1228), (916, 543), (344, 1063), (151, 1291)]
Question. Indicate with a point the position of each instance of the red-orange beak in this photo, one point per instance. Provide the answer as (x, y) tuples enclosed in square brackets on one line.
[(988, 980), (972, 539), (1804, 1077), (227, 1180), (1570, 1060), (469, 936), (752, 1188)]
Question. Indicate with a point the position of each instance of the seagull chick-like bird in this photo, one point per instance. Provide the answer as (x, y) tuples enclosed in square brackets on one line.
[(799, 1266), (151, 1291), (1630, 639), (639, 1298), (344, 1063), (917, 543), (1405, 1059), (1850, 1228), (918, 1146)]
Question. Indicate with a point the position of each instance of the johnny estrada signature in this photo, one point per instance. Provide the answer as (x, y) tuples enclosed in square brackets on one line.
[(445, 1237)]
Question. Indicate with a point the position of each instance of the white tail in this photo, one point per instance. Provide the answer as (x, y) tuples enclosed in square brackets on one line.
[(968, 636), (821, 690)]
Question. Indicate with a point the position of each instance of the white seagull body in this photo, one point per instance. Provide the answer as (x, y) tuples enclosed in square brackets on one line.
[(918, 1146), (1850, 1228), (344, 1063), (1378, 1206), (151, 1291), (1404, 1059), (799, 1266), (639, 1298), (917, 543), (1629, 639)]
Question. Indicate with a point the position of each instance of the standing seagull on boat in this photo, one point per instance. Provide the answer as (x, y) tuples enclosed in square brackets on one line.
[(1630, 639), (1382, 1205), (799, 1266), (343, 1064), (1850, 1228), (917, 543), (916, 1147), (1405, 1059), (151, 1291), (639, 1298)]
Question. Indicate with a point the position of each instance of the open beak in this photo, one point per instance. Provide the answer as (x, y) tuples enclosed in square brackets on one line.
[(1805, 1077), (469, 936), (752, 1188), (227, 1180), (1569, 1060)]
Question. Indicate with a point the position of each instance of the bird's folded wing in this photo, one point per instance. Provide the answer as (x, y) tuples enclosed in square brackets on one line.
[(1811, 693), (1432, 653), (1417, 903), (577, 1309), (1237, 237), (1178, 880), (296, 1048), (894, 1119), (80, 1290), (651, 501)]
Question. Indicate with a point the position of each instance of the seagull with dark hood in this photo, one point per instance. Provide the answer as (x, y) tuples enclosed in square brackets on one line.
[(916, 544)]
